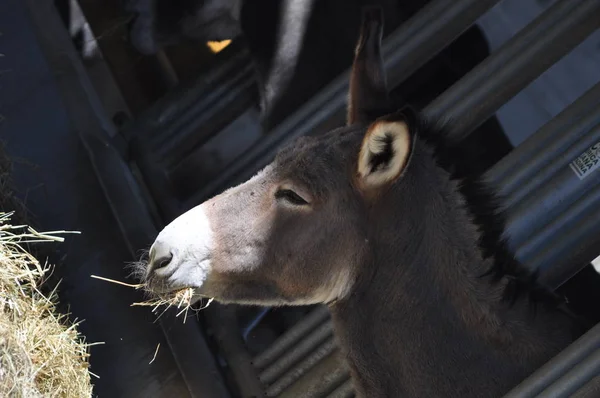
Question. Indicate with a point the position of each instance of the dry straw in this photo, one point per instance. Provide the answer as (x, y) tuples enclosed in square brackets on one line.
[(181, 299), (41, 352)]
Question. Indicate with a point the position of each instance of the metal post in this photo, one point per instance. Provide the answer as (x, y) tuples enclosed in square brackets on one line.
[(223, 319)]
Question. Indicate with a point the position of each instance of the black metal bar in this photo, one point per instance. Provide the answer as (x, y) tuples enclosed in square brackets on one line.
[(567, 244), (571, 381), (224, 322), (555, 196), (323, 351), (285, 342), (346, 390), (189, 116), (319, 381), (294, 354), (516, 170), (475, 98), (170, 107), (165, 69), (590, 389), (214, 110), (558, 366), (405, 50), (156, 179)]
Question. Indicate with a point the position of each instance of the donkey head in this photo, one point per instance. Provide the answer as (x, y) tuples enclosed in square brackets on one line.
[(297, 232)]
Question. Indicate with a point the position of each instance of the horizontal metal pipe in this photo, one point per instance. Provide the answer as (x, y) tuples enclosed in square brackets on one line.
[(475, 98), (329, 383), (320, 380), (214, 110), (189, 116), (577, 213), (554, 197), (571, 242), (327, 348), (287, 340), (299, 351), (518, 168), (590, 389), (405, 50), (588, 135), (346, 390), (419, 39), (557, 366), (571, 381), (170, 107)]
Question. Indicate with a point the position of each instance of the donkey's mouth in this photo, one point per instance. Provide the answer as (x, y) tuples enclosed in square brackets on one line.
[(186, 296), (160, 288)]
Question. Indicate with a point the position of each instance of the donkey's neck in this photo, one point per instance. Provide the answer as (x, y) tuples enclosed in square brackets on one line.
[(421, 320)]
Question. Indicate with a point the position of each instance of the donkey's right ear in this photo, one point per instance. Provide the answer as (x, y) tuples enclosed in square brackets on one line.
[(386, 150), (368, 96)]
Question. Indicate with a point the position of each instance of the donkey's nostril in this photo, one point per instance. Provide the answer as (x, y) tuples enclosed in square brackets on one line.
[(162, 262), (160, 256)]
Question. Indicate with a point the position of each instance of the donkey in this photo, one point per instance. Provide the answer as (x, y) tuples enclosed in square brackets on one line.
[(369, 220)]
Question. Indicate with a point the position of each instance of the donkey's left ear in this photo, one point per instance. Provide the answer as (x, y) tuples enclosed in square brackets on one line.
[(386, 150), (368, 95)]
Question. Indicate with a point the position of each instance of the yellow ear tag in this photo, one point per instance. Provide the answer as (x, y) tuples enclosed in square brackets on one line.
[(217, 46)]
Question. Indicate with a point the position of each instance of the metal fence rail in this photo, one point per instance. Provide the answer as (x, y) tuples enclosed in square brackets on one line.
[(542, 380), (512, 67)]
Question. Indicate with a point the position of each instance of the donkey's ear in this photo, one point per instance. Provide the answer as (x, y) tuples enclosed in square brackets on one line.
[(386, 150), (368, 96)]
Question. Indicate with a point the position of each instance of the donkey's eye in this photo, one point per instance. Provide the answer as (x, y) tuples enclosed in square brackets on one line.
[(290, 196)]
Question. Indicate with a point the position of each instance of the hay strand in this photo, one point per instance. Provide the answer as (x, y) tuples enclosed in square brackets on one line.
[(155, 353), (136, 286), (181, 299)]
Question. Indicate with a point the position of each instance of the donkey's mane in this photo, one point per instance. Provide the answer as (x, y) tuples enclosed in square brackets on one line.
[(484, 205)]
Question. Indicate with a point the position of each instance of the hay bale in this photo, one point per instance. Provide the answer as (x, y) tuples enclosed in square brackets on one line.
[(41, 353)]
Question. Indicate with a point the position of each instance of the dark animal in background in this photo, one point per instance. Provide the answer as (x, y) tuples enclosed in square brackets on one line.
[(299, 46), (367, 220)]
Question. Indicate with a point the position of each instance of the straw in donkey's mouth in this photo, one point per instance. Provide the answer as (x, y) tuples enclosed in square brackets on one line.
[(181, 298)]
